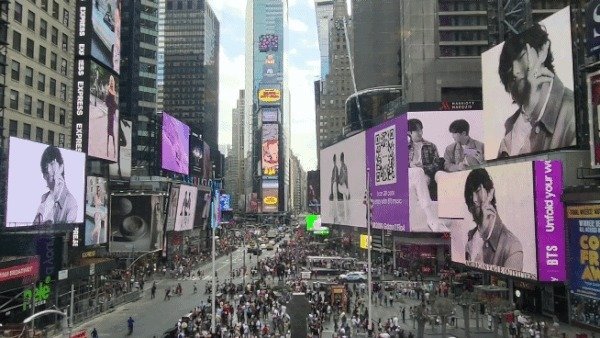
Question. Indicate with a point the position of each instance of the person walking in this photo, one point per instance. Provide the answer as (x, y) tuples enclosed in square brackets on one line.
[(94, 333)]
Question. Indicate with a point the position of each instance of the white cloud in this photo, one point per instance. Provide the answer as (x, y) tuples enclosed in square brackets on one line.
[(304, 143), (231, 80), (293, 51), (238, 7), (297, 25)]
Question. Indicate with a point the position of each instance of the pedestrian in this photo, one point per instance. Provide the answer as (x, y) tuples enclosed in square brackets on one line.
[(94, 333), (153, 290), (404, 315)]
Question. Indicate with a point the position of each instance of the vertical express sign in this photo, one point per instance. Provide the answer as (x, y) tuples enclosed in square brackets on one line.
[(81, 85)]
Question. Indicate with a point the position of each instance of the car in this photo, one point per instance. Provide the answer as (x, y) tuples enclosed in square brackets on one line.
[(354, 276), (270, 246)]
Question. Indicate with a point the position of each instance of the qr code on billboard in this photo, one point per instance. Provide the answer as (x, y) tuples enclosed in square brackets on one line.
[(385, 156)]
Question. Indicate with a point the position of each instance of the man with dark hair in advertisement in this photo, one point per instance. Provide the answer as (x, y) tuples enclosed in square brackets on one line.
[(58, 206), (423, 162), (546, 117), (490, 242), (465, 151)]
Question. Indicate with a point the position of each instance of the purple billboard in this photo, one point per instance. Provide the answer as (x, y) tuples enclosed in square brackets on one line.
[(550, 221), (175, 145), (388, 180)]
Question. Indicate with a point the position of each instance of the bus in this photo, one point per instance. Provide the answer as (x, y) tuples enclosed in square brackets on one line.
[(331, 265)]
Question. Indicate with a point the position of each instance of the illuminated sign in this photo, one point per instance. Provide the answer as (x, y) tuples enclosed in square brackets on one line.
[(269, 95), (270, 200)]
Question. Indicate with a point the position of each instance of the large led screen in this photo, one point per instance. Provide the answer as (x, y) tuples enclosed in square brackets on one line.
[(584, 267), (106, 41), (313, 192), (202, 209), (45, 184), (122, 169), (343, 182), (175, 145), (504, 216), (528, 90), (270, 196), (269, 115), (270, 150), (438, 142), (172, 206), (206, 163), (196, 155), (225, 200), (593, 82), (136, 223), (96, 211), (269, 95), (103, 134), (186, 205)]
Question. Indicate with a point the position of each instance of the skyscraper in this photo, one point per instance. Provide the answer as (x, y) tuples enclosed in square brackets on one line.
[(234, 177), (267, 113), (191, 66), (139, 31), (324, 11)]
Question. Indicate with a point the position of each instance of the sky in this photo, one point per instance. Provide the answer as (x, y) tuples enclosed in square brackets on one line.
[(303, 69)]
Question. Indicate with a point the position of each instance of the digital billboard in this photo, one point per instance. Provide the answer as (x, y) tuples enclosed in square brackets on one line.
[(438, 142), (136, 223), (503, 216), (175, 145), (269, 115), (122, 169), (269, 95), (313, 191), (96, 211), (270, 150), (196, 155), (225, 200), (172, 208), (106, 39), (206, 163), (528, 90), (103, 114), (268, 42), (343, 182), (271, 72), (202, 209), (270, 196), (593, 85), (45, 184), (186, 205)]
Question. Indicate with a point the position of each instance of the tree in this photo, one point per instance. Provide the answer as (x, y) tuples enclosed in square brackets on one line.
[(466, 300), (421, 315), (443, 307)]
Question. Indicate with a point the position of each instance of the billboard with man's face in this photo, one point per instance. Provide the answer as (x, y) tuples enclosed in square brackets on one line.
[(528, 98), (502, 217), (45, 185)]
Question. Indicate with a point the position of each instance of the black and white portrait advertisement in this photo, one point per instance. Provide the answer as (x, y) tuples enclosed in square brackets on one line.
[(528, 90), (186, 204), (137, 223), (492, 218), (96, 211), (45, 184)]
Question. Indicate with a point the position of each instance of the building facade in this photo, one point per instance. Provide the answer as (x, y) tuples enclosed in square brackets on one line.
[(297, 185), (39, 75), (337, 85), (324, 12), (191, 66), (137, 91), (234, 168), (266, 112)]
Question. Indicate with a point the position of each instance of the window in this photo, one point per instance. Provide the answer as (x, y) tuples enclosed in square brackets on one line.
[(62, 117), (14, 99), (54, 35), (65, 43), (51, 112), (29, 76), (63, 67), (40, 109), (16, 41), (15, 73), (43, 28), (31, 20), (29, 51), (13, 128), (61, 140), (44, 5), (27, 105), (18, 14), (42, 55), (63, 92), (55, 10), (52, 87), (50, 137), (39, 134), (27, 131), (41, 82), (66, 17), (53, 60)]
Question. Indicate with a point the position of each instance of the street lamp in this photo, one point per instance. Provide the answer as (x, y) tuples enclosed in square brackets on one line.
[(47, 312)]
